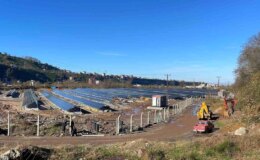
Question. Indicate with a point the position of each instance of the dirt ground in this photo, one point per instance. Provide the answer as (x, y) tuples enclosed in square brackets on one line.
[(178, 127)]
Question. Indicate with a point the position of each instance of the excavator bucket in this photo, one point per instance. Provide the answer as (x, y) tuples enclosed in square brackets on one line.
[(225, 113)]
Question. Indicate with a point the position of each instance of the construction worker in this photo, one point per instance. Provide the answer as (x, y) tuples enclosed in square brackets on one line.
[(230, 104)]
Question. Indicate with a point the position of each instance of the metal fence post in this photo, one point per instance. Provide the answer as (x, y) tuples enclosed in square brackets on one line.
[(148, 118), (118, 125), (8, 124), (164, 114), (168, 113), (159, 117), (141, 122), (38, 125), (155, 121), (131, 123), (70, 124)]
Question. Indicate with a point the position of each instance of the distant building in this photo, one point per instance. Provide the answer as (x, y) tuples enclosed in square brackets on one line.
[(97, 82), (71, 78), (32, 83), (203, 85), (137, 85), (221, 93), (90, 81), (211, 85)]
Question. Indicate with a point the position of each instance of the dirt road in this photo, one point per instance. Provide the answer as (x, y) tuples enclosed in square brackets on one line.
[(177, 128)]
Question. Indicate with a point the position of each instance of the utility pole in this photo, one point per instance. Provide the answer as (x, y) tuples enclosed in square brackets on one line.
[(167, 81), (218, 77)]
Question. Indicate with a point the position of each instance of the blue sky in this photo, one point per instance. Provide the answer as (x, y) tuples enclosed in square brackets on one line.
[(191, 40)]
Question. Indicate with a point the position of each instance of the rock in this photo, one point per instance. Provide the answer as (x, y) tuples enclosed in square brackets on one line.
[(142, 154), (4, 157), (241, 131), (11, 154), (147, 144)]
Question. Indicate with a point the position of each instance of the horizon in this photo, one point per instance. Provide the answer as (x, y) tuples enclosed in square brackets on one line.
[(192, 41)]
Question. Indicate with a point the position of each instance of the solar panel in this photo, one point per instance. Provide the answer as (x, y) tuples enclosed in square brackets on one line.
[(30, 100)]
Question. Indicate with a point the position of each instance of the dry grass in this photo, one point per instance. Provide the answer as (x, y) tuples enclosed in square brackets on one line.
[(214, 103), (216, 147)]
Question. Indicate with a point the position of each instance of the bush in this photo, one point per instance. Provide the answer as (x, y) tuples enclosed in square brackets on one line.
[(157, 154), (226, 149), (249, 95)]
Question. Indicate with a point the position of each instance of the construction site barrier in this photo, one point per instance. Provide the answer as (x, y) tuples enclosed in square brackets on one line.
[(123, 124)]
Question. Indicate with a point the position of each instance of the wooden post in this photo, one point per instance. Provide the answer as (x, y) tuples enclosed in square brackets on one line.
[(141, 121), (131, 123), (38, 125), (8, 124)]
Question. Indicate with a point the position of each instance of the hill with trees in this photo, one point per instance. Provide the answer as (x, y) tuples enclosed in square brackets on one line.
[(17, 69)]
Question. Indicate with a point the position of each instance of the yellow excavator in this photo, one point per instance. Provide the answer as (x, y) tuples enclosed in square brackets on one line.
[(204, 113)]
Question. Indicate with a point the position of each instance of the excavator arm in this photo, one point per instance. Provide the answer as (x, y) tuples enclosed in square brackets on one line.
[(203, 112)]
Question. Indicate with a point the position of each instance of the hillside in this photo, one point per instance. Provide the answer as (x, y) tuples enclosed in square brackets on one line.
[(25, 69)]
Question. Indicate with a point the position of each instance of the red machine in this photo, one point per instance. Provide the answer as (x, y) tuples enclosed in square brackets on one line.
[(203, 126)]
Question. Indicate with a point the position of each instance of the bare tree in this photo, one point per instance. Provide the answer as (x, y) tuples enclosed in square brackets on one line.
[(249, 61)]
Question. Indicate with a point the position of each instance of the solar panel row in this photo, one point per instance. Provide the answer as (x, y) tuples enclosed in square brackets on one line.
[(30, 100)]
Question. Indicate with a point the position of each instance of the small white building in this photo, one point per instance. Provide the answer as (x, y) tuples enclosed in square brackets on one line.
[(159, 101), (32, 82), (97, 82), (71, 78), (137, 85), (203, 85)]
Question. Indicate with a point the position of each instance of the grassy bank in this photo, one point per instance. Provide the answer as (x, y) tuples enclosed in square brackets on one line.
[(217, 147)]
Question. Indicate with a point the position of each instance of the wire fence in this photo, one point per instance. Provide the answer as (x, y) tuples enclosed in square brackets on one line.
[(22, 124)]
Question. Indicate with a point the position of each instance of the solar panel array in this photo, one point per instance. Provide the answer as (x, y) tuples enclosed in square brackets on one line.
[(97, 98), (30, 100)]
